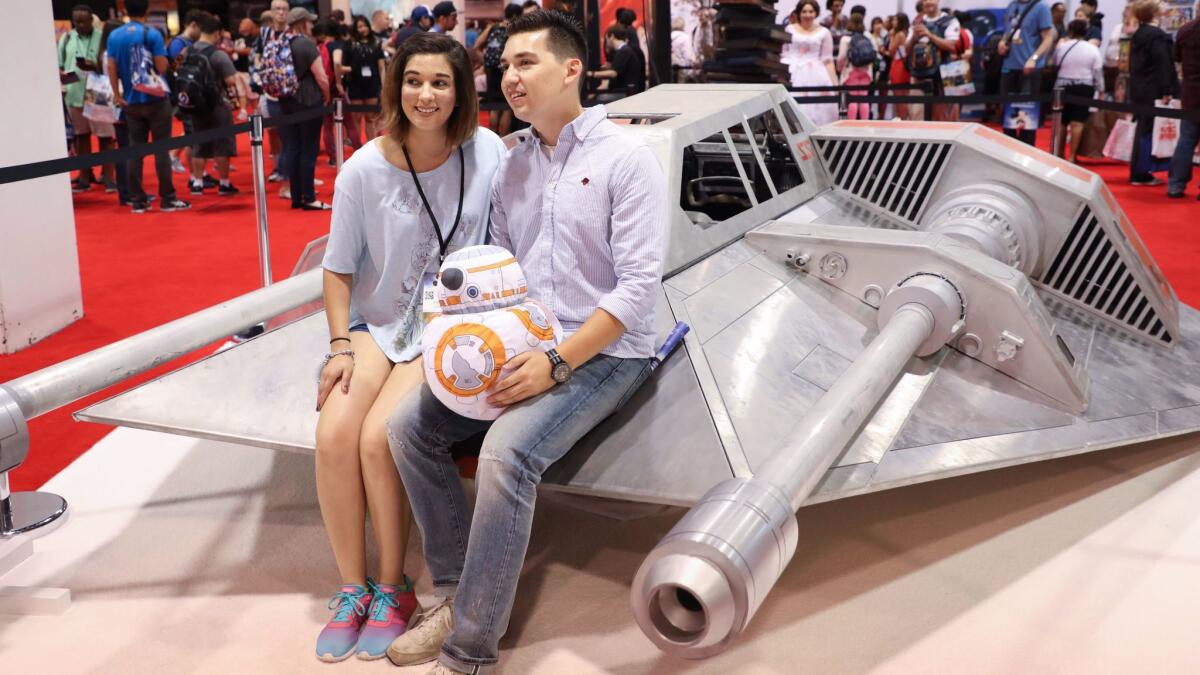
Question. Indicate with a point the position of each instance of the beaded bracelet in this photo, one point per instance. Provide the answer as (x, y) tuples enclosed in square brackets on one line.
[(328, 357)]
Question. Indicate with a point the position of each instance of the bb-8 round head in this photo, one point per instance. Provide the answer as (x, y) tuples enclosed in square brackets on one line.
[(486, 320), (479, 278)]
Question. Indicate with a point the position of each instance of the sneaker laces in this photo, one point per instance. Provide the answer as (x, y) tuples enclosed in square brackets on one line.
[(346, 602), (385, 598), (423, 629)]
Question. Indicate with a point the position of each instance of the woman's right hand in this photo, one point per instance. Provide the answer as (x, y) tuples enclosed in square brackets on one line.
[(339, 370)]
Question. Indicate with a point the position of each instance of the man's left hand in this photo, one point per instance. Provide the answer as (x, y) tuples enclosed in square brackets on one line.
[(529, 376)]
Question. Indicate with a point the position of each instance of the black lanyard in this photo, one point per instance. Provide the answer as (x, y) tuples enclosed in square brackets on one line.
[(443, 244)]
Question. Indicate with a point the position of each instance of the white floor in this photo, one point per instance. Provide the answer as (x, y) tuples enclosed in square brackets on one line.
[(189, 556)]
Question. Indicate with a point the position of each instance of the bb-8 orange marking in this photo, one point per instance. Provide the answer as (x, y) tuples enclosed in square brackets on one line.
[(487, 343)]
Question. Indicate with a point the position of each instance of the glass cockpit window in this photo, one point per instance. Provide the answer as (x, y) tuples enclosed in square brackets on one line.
[(776, 151), (790, 116), (711, 187)]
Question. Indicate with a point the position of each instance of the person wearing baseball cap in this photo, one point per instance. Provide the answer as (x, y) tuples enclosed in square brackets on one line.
[(445, 17), (419, 21), (296, 15)]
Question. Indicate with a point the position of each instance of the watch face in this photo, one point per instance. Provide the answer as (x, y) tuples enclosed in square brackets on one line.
[(561, 373)]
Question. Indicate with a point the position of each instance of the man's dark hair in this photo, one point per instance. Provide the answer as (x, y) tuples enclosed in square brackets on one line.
[(620, 32), (563, 32), (626, 16), (80, 8), (859, 9), (193, 16), (209, 23), (137, 8), (530, 3), (964, 18), (1077, 28), (511, 11)]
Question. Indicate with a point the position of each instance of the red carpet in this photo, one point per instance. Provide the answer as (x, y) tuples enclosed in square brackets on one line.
[(141, 271)]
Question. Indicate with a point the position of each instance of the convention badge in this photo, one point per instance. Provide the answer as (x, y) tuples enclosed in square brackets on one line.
[(366, 71), (429, 300)]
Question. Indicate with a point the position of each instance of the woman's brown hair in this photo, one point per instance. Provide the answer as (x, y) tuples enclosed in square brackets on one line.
[(800, 6), (464, 120)]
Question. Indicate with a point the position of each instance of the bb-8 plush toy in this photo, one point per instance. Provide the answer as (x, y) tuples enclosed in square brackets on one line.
[(486, 320)]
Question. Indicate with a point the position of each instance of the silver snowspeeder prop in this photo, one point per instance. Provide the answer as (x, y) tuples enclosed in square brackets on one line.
[(873, 304)]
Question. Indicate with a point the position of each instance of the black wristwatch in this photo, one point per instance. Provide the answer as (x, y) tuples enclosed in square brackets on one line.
[(560, 370)]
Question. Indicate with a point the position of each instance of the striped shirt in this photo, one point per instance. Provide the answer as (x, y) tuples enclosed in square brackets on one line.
[(588, 224)]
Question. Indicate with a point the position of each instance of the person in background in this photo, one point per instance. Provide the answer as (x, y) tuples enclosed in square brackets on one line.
[(376, 256), (275, 30), (809, 57), (628, 18), (303, 139), (683, 51), (120, 133), (221, 149), (862, 74), (243, 47), (1151, 78), (897, 56), (381, 25), (835, 21), (1058, 17), (359, 63), (626, 71), (445, 17), (490, 47), (1187, 54), (471, 33), (530, 6), (1028, 40), (879, 30), (79, 53), (176, 48), (1095, 34), (419, 21), (338, 16), (1081, 74), (935, 30), (330, 38), (148, 115)]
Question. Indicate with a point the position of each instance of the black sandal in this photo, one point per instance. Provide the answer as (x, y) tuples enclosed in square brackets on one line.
[(316, 206)]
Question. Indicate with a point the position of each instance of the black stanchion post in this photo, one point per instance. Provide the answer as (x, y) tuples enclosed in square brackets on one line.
[(843, 107), (258, 169), (928, 90), (1057, 132), (339, 133)]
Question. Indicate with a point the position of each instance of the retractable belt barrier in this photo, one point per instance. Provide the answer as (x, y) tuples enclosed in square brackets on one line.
[(845, 94)]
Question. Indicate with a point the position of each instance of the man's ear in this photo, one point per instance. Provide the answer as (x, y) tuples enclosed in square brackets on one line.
[(574, 71)]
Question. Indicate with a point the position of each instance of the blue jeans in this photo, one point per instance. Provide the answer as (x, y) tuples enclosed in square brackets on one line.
[(478, 563), (300, 143), (1180, 173), (281, 163)]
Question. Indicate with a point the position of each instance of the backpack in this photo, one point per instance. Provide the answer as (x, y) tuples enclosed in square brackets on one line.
[(861, 51), (278, 72), (196, 82), (924, 59), (144, 76), (495, 47)]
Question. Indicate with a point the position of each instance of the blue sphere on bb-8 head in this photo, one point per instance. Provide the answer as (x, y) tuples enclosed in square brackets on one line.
[(486, 320)]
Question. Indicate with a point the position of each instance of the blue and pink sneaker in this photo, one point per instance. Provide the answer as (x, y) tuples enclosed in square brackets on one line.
[(392, 611), (340, 635)]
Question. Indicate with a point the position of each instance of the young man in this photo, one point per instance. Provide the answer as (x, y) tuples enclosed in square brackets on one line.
[(1028, 38), (418, 22), (1187, 54), (79, 53), (221, 114), (626, 71), (302, 140), (176, 48), (935, 30), (445, 17), (583, 207), (146, 114)]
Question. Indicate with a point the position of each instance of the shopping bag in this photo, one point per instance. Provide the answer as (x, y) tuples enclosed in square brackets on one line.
[(98, 98), (1120, 141), (1022, 116), (956, 78), (1166, 132)]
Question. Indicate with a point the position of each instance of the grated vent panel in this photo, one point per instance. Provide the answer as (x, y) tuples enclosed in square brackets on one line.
[(897, 176), (1088, 269)]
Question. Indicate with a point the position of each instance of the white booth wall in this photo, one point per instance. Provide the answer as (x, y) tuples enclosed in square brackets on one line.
[(39, 264)]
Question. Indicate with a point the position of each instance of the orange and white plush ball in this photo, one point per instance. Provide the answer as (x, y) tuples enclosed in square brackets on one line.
[(486, 320)]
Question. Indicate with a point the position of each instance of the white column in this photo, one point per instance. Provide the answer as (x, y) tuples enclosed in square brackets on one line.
[(39, 263)]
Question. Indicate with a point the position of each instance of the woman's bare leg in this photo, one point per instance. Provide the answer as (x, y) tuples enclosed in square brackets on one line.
[(1076, 139), (371, 120), (339, 474), (391, 515)]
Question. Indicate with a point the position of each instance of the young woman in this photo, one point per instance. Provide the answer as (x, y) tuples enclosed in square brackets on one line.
[(809, 57), (360, 61), (856, 75), (402, 202), (897, 55), (1080, 73)]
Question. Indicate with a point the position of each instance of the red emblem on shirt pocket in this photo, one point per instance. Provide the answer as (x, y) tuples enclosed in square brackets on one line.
[(584, 181)]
